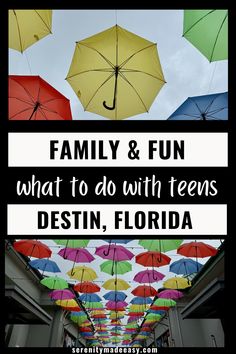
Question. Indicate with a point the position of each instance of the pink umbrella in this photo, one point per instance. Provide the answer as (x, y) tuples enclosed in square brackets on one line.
[(61, 295), (78, 255), (114, 252), (148, 276), (170, 294), (115, 305)]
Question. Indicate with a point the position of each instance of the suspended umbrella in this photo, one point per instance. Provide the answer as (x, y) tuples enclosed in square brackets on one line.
[(114, 267), (153, 317), (77, 255), (87, 287), (152, 259), (115, 296), (185, 266), (46, 265), (138, 308), (54, 283), (93, 305), (165, 302), (141, 300), (160, 245), (159, 308), (144, 291), (116, 73), (136, 314), (114, 253), (72, 243), (32, 248), (148, 276), (177, 283), (159, 312), (197, 249), (207, 30), (170, 294), (61, 295), (113, 305), (82, 273), (116, 284), (74, 309), (206, 107), (90, 298), (32, 98), (27, 27), (71, 303)]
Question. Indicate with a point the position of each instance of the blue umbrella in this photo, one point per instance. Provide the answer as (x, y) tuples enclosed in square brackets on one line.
[(141, 300), (185, 266), (80, 313), (206, 107), (158, 312), (45, 265), (115, 296), (118, 241), (90, 297)]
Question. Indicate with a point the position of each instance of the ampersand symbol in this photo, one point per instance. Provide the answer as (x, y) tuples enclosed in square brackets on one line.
[(133, 153)]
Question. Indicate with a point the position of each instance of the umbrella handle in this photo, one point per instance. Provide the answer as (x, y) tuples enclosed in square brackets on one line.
[(115, 89)]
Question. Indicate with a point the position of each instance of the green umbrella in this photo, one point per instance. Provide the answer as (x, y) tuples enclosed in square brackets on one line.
[(160, 245), (115, 267), (93, 305), (73, 243), (153, 316), (165, 302), (207, 30), (54, 283)]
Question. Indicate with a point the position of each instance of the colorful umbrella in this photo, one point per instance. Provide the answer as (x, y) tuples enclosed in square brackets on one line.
[(82, 273), (165, 302), (32, 248), (46, 265), (115, 296), (114, 267), (87, 287), (114, 253), (27, 27), (77, 255), (116, 284), (54, 283), (170, 294), (116, 73), (61, 295), (32, 98), (113, 305), (207, 30), (73, 243), (148, 276), (197, 249), (206, 107), (144, 291), (90, 298), (152, 259), (160, 245), (71, 303), (176, 283), (141, 300), (185, 266)]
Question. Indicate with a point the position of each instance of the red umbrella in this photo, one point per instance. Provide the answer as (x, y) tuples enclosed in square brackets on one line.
[(32, 98), (144, 291), (152, 259), (196, 249), (74, 309), (85, 329), (156, 308), (87, 287), (136, 314), (32, 248)]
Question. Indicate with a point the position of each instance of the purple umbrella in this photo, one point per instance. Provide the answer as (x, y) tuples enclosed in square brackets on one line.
[(116, 305), (77, 255), (148, 276), (114, 252), (170, 294), (61, 295)]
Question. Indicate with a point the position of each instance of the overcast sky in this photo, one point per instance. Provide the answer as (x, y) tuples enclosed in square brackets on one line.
[(186, 70)]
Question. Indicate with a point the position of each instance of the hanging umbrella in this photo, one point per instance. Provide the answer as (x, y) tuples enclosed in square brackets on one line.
[(207, 30), (116, 284), (114, 253), (148, 276), (87, 287), (61, 295), (111, 267), (71, 303), (136, 314), (46, 265), (152, 259), (82, 273), (32, 98), (160, 245), (144, 291), (72, 243), (197, 249), (32, 248), (165, 302), (116, 73), (170, 294), (176, 283), (206, 107), (115, 296), (141, 300), (27, 27), (113, 305), (90, 297), (185, 266), (77, 255), (54, 283), (75, 309), (93, 305)]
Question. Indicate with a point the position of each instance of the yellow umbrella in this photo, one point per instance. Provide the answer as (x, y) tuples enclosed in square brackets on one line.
[(142, 307), (26, 27), (116, 73), (67, 303), (82, 273), (177, 283), (116, 284)]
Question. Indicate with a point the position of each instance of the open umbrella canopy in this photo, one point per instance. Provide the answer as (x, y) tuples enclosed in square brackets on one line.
[(54, 283), (90, 297), (115, 296), (46, 265), (185, 266), (82, 273), (144, 291), (32, 98), (165, 302), (207, 30), (205, 107), (115, 305), (141, 300), (114, 253), (86, 287), (61, 295), (160, 245), (116, 284), (71, 303), (78, 255), (27, 27), (116, 73), (32, 248), (114, 267), (72, 243), (148, 276), (197, 249), (176, 283), (153, 259), (170, 294)]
